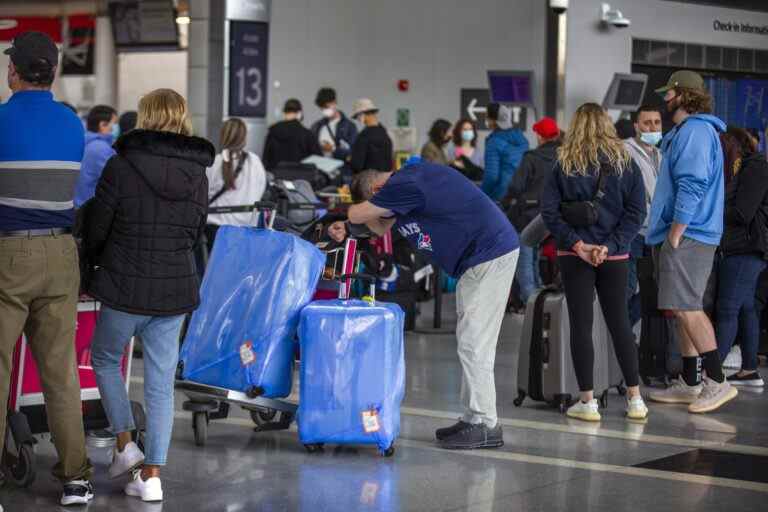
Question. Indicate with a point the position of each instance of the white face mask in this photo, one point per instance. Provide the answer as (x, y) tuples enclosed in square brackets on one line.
[(651, 138), (329, 113)]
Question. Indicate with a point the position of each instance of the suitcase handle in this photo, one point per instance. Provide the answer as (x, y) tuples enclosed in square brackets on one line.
[(368, 278)]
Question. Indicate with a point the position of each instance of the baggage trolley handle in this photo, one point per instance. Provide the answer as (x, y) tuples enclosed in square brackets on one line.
[(368, 278)]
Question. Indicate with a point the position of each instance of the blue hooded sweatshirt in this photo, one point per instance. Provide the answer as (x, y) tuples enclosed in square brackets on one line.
[(504, 150), (691, 187), (98, 149)]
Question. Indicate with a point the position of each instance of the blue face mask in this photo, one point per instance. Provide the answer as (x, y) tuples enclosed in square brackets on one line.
[(115, 131), (651, 138), (468, 135)]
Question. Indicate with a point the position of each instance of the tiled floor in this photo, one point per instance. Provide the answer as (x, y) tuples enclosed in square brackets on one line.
[(549, 463)]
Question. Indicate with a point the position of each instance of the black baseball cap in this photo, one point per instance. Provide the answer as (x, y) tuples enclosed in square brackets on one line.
[(31, 51)]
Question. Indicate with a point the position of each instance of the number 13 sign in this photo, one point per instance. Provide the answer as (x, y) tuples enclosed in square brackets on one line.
[(248, 60)]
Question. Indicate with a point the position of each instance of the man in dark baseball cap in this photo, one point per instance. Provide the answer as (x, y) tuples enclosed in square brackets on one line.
[(34, 56), (41, 150)]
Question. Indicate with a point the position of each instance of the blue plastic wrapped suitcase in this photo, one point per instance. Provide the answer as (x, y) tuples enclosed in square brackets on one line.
[(242, 337), (352, 373)]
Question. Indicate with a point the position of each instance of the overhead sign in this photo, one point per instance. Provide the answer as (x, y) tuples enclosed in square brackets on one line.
[(248, 60), (474, 103)]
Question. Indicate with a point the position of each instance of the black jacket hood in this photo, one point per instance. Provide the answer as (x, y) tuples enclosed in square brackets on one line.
[(546, 153), (171, 164)]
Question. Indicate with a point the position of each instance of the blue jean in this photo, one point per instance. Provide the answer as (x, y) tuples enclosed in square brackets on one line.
[(737, 284), (160, 342), (635, 253), (528, 276)]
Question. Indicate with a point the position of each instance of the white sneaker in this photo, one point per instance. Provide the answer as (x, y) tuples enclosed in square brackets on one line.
[(585, 411), (149, 490), (77, 492), (126, 461), (678, 392), (636, 408), (714, 396), (733, 359)]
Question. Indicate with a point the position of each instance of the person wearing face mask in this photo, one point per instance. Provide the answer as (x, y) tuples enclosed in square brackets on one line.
[(467, 159), (434, 150), (334, 131), (373, 147), (289, 140), (102, 131), (643, 148), (685, 227)]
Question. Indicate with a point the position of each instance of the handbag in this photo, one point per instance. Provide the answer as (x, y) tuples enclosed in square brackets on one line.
[(584, 213)]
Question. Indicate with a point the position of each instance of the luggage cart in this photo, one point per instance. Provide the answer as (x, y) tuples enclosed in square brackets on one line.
[(27, 419), (207, 402)]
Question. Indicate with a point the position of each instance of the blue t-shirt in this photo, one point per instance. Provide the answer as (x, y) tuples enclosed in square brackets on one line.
[(446, 217)]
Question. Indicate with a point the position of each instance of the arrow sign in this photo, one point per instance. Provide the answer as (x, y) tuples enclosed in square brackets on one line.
[(474, 105), (473, 109)]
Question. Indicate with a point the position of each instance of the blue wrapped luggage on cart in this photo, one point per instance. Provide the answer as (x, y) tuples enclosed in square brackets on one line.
[(242, 337), (352, 373)]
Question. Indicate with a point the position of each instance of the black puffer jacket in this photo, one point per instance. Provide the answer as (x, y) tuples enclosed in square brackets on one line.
[(149, 210), (746, 209), (522, 199)]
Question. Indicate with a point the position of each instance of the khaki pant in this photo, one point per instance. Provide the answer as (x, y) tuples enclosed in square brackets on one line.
[(481, 301), (39, 281)]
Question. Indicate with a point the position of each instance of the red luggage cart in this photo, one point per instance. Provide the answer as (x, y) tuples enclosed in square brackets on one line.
[(26, 405)]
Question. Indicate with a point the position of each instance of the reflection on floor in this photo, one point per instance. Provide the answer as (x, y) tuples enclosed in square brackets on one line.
[(674, 461)]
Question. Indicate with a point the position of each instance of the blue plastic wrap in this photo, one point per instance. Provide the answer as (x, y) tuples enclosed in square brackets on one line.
[(243, 334), (352, 373)]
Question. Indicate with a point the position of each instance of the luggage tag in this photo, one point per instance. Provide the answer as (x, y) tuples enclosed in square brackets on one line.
[(371, 421), (247, 355)]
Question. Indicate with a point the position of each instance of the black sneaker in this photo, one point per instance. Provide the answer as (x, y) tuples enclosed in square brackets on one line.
[(443, 433), (77, 492), (752, 379), (474, 436)]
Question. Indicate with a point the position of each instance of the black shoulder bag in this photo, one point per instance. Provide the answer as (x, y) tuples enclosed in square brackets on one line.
[(224, 188), (581, 214)]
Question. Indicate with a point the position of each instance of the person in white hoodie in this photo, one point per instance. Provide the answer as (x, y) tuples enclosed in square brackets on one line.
[(237, 177)]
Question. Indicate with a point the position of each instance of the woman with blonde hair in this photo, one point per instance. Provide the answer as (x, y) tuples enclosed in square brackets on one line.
[(237, 177), (147, 216), (594, 205)]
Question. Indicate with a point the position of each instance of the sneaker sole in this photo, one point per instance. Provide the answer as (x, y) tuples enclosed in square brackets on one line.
[(76, 500), (475, 446), (637, 416), (748, 383), (592, 418), (665, 400), (732, 393), (138, 495)]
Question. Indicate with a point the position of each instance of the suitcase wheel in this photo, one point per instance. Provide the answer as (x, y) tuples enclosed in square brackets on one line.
[(200, 427), (314, 448), (263, 417), (604, 400), (520, 398), (389, 451), (20, 468)]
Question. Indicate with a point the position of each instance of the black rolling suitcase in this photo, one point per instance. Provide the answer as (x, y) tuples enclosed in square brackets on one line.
[(659, 354)]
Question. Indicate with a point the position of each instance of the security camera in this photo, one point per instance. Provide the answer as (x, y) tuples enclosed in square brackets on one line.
[(559, 6), (613, 17)]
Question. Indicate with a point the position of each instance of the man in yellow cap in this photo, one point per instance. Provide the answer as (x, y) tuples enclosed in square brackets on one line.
[(685, 226)]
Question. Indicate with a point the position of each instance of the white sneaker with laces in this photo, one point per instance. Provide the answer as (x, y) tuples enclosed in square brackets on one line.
[(126, 461), (585, 411), (636, 408), (733, 359), (678, 392), (713, 396), (147, 490)]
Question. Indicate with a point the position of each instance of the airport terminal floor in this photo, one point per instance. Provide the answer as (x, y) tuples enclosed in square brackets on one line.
[(674, 461)]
